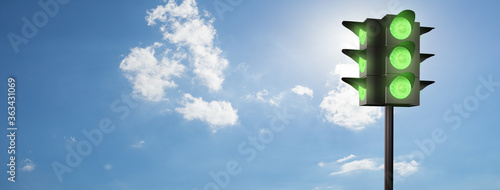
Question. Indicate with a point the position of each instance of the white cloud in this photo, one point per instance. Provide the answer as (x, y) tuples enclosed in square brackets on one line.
[(150, 75), (321, 164), (138, 144), (217, 114), (187, 9), (302, 90), (107, 167), (341, 106), (261, 96), (327, 187), (346, 158), (183, 26), (405, 169), (276, 100), (188, 43), (402, 168), (357, 165), (70, 140), (28, 165)]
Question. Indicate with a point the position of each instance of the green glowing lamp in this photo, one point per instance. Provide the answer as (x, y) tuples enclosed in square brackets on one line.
[(362, 93), (402, 26), (362, 36), (402, 55), (362, 64), (402, 85)]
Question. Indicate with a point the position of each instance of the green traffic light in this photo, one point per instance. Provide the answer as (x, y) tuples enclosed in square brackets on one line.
[(402, 25), (400, 28), (400, 87), (400, 57), (362, 64), (362, 93), (362, 36)]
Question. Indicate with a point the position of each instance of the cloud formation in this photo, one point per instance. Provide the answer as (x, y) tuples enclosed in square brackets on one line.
[(138, 144), (262, 96), (29, 166), (327, 187), (183, 26), (405, 168), (341, 105), (70, 140), (149, 75), (217, 114), (321, 164), (188, 43), (302, 90), (402, 168), (364, 164), (346, 158)]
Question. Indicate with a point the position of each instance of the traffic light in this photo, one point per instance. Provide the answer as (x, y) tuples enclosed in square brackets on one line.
[(403, 59), (389, 60)]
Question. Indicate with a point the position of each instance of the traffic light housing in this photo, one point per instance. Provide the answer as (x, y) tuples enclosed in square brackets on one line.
[(389, 60)]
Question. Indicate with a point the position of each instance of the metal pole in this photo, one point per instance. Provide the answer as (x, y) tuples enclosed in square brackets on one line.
[(389, 144)]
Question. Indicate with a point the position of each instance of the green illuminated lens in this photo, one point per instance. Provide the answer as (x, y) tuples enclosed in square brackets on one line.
[(362, 36), (362, 64), (400, 28), (400, 58), (400, 87), (362, 93)]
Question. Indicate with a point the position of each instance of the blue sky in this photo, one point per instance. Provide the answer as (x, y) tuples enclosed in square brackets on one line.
[(241, 95)]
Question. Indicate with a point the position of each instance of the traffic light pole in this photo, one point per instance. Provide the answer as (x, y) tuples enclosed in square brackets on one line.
[(389, 144)]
